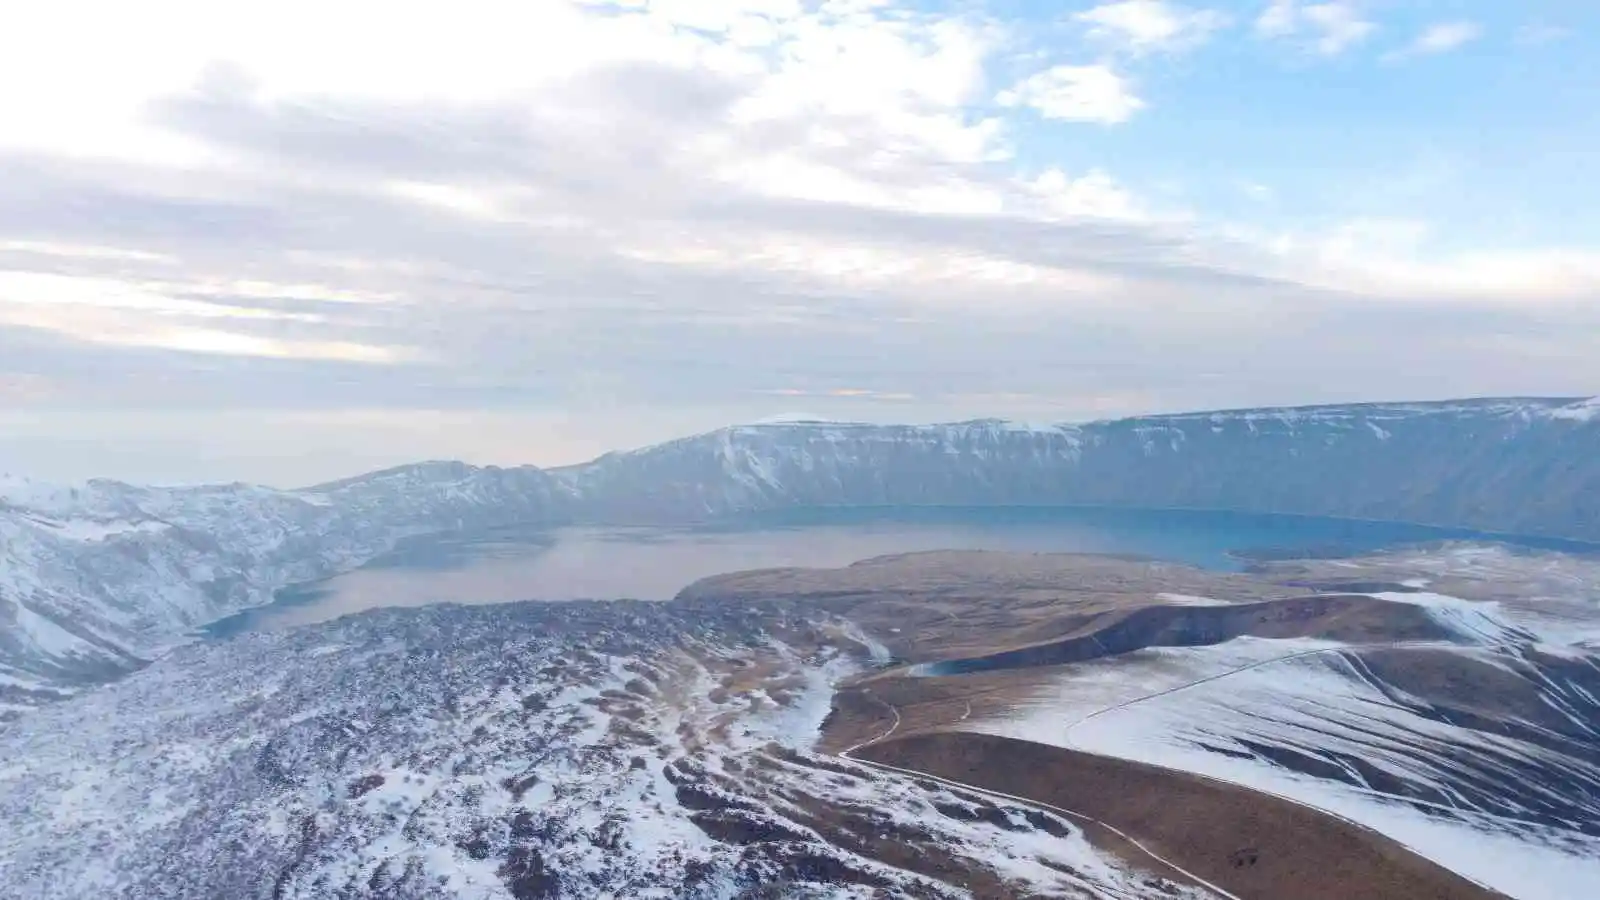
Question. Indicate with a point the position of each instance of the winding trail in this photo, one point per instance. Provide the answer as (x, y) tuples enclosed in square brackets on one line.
[(1349, 648), (1343, 649), (849, 753), (894, 726)]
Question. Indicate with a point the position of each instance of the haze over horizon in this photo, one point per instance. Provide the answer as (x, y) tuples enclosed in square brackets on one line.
[(298, 242)]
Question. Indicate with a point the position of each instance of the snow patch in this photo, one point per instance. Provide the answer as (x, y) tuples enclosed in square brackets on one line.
[(45, 635), (28, 493), (1190, 600), (1582, 411), (1176, 707), (93, 531), (1020, 427), (1478, 621), (1309, 705), (875, 648)]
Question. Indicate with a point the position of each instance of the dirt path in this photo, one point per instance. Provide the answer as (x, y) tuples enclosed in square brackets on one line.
[(1391, 868), (1163, 862), (1242, 843)]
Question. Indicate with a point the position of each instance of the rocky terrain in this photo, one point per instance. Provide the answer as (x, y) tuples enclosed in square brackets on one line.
[(97, 579), (1420, 723), (1154, 698), (1135, 730), (528, 751)]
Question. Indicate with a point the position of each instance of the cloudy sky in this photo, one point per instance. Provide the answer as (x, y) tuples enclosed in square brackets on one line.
[(304, 239)]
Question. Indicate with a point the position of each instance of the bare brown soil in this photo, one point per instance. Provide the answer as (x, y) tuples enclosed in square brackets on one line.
[(995, 629), (1251, 844), (1060, 607), (1342, 617), (951, 604)]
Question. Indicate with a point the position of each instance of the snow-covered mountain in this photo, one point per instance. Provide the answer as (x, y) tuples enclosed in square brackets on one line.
[(98, 577), (778, 734), (1528, 466)]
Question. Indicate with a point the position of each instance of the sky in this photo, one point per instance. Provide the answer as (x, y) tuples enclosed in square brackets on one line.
[(292, 241)]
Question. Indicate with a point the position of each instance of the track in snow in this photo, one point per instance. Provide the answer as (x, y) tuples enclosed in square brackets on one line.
[(849, 753), (1067, 736)]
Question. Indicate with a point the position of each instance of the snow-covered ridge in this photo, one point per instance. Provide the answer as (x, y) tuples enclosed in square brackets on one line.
[(28, 493), (1469, 463), (827, 430), (1578, 408), (1336, 412), (99, 577), (1581, 411)]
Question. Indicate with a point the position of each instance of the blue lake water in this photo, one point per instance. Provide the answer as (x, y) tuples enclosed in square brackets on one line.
[(654, 563)]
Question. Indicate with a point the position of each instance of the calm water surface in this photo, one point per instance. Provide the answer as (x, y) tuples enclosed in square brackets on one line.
[(655, 563)]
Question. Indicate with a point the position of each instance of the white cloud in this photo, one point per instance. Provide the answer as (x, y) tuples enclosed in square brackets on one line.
[(53, 250), (1143, 26), (1504, 276), (1093, 93), (606, 214), (1341, 26), (1535, 34), (1328, 28), (1257, 192), (1388, 258), (1094, 195), (1281, 17), (462, 201), (211, 341), (919, 273), (1442, 37), (110, 312), (41, 290)]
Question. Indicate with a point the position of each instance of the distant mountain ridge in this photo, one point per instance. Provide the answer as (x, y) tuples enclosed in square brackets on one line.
[(1519, 465), (97, 578)]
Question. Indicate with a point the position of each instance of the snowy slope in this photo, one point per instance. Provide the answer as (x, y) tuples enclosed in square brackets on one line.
[(96, 578), (531, 750), (1482, 753)]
